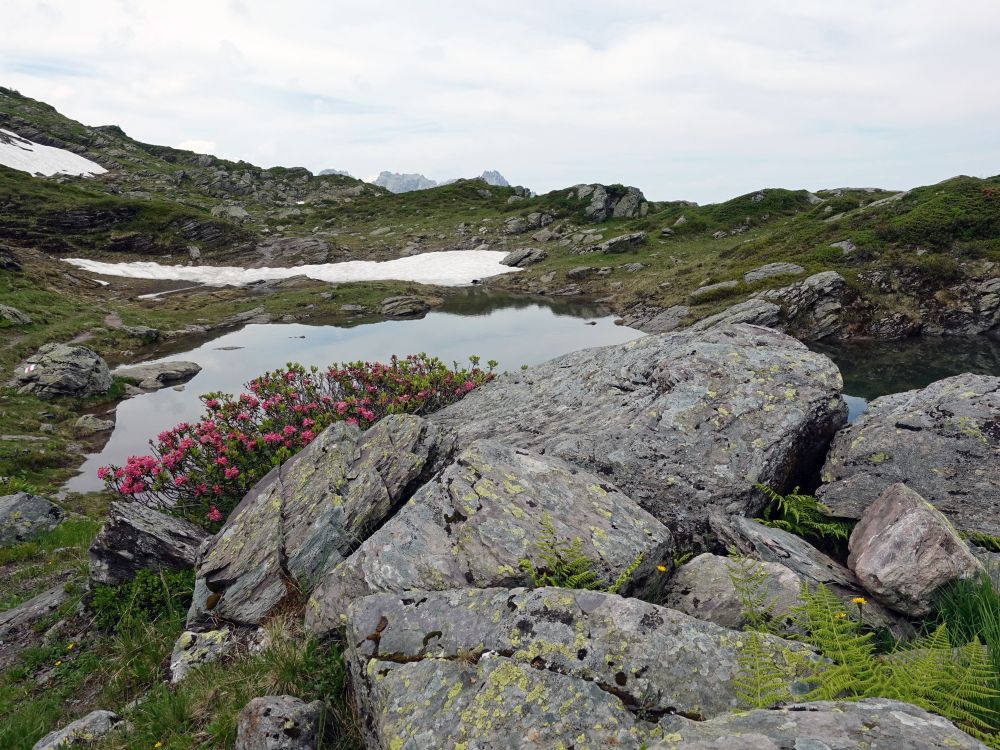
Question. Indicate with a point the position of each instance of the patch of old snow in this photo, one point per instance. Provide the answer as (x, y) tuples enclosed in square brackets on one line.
[(455, 268), (27, 156)]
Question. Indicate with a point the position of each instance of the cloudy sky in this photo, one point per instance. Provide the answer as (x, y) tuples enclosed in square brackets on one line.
[(700, 100)]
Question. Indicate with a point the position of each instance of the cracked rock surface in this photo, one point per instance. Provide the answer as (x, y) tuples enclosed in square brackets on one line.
[(942, 441), (473, 524), (683, 422), (305, 516)]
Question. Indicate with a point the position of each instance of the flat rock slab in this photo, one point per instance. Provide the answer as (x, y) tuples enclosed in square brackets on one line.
[(24, 516), (17, 625), (684, 422), (473, 525), (63, 370), (823, 725), (942, 441), (771, 270), (625, 656), (154, 376), (138, 538), (307, 515), (904, 551)]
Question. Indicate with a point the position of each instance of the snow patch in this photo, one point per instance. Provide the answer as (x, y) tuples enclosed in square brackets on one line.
[(27, 156), (454, 268)]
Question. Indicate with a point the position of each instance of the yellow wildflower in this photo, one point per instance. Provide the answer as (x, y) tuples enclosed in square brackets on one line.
[(58, 662), (840, 615), (70, 646), (158, 744), (662, 568), (859, 600)]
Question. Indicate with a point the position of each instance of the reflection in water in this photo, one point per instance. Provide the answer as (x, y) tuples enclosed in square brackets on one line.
[(877, 368), (512, 330)]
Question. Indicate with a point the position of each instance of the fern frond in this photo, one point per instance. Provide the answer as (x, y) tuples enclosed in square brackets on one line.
[(802, 515), (749, 580), (760, 682)]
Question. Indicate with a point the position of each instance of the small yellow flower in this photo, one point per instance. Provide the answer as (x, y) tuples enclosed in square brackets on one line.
[(859, 600), (840, 615), (58, 662), (70, 646), (158, 744), (662, 568)]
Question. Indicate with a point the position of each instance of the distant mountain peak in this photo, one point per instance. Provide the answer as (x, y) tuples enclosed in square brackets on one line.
[(341, 172), (493, 177), (396, 182)]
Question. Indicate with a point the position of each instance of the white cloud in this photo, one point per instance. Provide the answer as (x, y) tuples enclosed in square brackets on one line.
[(699, 100)]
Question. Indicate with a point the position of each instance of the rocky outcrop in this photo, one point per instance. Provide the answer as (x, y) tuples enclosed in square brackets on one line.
[(159, 375), (474, 524), (138, 538), (63, 370), (604, 201), (14, 316), (869, 723), (546, 666), (307, 515), (18, 624), (712, 291), (404, 307), (773, 545), (756, 312), (942, 441), (280, 722), (85, 731), (771, 270), (524, 256), (904, 551), (703, 588), (684, 423), (813, 308), (24, 516)]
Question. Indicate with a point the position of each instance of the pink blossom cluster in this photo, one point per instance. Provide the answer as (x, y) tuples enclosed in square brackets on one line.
[(200, 470)]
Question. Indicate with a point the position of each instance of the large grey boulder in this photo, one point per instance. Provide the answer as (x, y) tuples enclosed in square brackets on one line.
[(14, 316), (24, 516), (684, 423), (280, 722), (85, 731), (604, 202), (619, 244), (524, 256), (193, 649), (942, 441), (138, 538), (870, 724), (161, 374), (63, 370), (473, 524), (712, 291), (703, 588), (307, 515), (903, 550), (753, 311), (772, 545), (18, 625), (535, 666), (90, 424)]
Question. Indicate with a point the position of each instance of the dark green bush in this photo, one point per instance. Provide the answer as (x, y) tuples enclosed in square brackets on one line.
[(149, 597)]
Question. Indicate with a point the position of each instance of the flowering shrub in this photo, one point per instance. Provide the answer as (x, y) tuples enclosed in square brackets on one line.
[(200, 470)]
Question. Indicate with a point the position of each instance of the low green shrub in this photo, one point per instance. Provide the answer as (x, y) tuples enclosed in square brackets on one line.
[(149, 597)]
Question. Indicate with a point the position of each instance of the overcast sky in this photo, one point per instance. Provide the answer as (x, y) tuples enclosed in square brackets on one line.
[(700, 100)]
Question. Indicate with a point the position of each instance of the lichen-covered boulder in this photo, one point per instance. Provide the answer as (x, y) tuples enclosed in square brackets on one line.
[(24, 516), (280, 722), (703, 588), (160, 374), (63, 370), (307, 515), (813, 567), (823, 725), (608, 654), (196, 649), (903, 550), (684, 422), (138, 538), (85, 731), (474, 523), (942, 441)]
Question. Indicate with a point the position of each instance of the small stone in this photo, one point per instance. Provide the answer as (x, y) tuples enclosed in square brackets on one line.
[(281, 722), (85, 731), (24, 516), (88, 424)]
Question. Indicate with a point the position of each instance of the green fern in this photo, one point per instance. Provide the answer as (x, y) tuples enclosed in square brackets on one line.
[(761, 682), (565, 565), (750, 581), (802, 515)]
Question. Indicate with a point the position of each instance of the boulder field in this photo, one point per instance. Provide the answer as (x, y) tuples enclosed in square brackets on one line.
[(415, 543)]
